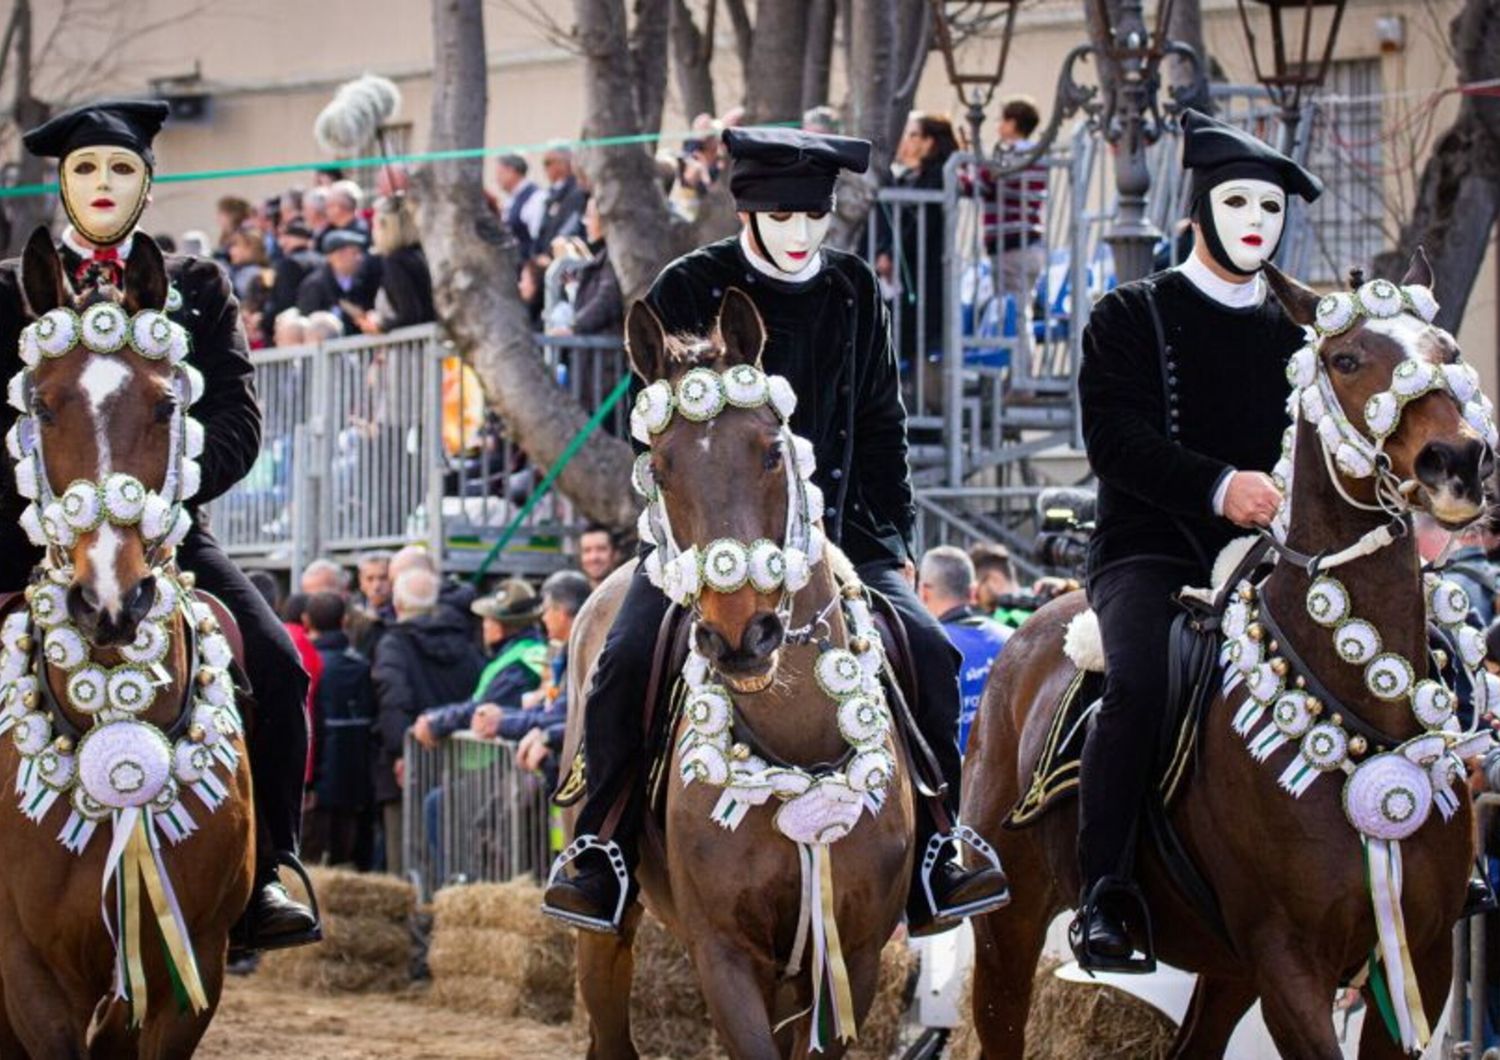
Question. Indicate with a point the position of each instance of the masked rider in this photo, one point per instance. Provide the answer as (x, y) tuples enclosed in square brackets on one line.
[(1183, 391), (828, 334), (105, 170)]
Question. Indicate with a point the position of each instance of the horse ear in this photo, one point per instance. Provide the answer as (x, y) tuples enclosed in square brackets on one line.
[(42, 275), (1299, 301), (145, 276), (741, 331), (1418, 270), (646, 342)]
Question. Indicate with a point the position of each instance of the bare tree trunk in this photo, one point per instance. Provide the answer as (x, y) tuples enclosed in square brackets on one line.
[(913, 46), (818, 61), (744, 37), (21, 217), (773, 83), (648, 60), (692, 58), (1458, 199), (473, 260)]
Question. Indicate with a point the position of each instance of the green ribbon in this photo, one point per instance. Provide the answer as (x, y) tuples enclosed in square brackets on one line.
[(568, 453)]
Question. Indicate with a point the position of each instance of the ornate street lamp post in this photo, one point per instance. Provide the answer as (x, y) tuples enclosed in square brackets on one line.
[(1295, 64), (1125, 108)]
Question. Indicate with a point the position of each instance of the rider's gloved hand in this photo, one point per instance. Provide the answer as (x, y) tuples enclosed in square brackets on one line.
[(1251, 499)]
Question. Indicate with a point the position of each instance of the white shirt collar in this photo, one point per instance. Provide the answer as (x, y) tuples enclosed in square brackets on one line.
[(1244, 295), (75, 243), (761, 265)]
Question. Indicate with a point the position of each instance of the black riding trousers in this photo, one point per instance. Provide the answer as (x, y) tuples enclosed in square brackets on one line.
[(612, 730), (278, 731), (1135, 607)]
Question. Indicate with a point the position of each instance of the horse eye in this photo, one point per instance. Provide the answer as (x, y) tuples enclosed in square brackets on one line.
[(773, 457), (164, 410), (1346, 363), (42, 412)]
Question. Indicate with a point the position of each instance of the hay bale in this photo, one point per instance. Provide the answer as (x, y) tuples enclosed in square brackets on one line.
[(1078, 1019), (367, 942), (880, 1034), (493, 950)]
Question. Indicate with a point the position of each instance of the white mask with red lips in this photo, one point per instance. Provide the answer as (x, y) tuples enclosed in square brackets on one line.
[(791, 240), (1248, 217)]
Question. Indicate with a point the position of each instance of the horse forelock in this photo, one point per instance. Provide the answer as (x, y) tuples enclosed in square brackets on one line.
[(692, 351)]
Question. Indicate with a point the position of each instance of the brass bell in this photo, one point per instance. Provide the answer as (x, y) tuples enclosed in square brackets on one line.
[(859, 645), (31, 699), (852, 591), (205, 677), (1247, 593), (207, 626), (29, 593), (1337, 719), (739, 752), (1256, 632), (196, 733), (1440, 657), (187, 579), (1314, 706), (1273, 647), (24, 643), (1279, 667), (1301, 681), (63, 745), (1357, 745)]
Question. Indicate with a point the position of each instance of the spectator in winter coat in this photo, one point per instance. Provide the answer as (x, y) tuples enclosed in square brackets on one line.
[(563, 595), (343, 715), (297, 261), (427, 657), (405, 295), (525, 203), (946, 589), (594, 290), (344, 285), (518, 658), (563, 214)]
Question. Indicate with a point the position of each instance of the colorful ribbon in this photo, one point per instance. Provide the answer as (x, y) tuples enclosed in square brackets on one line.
[(1383, 864)]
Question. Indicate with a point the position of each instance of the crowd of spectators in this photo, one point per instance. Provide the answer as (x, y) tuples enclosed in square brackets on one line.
[(396, 649)]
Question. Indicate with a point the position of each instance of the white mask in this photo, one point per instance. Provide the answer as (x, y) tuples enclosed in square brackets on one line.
[(792, 241), (104, 190), (1248, 216)]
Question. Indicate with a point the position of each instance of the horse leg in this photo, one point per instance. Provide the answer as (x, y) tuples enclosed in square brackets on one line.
[(1007, 945), (39, 1011), (864, 981), (1435, 975), (1212, 1017), (170, 1033), (739, 991), (1297, 1002), (606, 965)]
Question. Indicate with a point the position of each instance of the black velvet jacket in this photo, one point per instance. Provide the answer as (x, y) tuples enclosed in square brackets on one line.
[(831, 338), (1163, 427), (228, 410)]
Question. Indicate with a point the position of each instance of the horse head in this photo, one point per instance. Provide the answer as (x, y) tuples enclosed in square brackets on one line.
[(101, 444), (1407, 412), (734, 528)]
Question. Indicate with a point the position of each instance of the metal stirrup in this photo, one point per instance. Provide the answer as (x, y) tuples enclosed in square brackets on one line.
[(611, 850), (965, 836)]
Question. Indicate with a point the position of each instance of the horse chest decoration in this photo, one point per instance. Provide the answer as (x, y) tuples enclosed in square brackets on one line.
[(818, 807), (1387, 796), (118, 658)]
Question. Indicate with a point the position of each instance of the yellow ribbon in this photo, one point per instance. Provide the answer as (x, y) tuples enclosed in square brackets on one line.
[(130, 910), (140, 864), (1420, 1028), (843, 999)]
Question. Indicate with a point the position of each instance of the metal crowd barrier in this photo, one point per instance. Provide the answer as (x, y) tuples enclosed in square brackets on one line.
[(469, 814), (378, 441), (1468, 1034)]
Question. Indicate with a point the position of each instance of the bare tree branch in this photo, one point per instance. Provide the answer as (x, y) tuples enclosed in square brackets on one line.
[(773, 90), (692, 55), (818, 60), (648, 61), (744, 36)]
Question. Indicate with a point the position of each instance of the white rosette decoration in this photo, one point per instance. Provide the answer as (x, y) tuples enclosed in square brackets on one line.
[(191, 479), (745, 386), (57, 332), (1380, 299), (31, 349), (1470, 646), (1292, 714), (156, 517), (862, 721), (726, 565), (151, 334), (15, 393), (64, 648), (1412, 378), (871, 771), (14, 628), (1302, 368), (13, 437), (216, 651), (1433, 703), (124, 764), (124, 498), (151, 643), (1388, 797), (1382, 414), (705, 762), (1356, 641), (767, 566), (1264, 684), (1335, 314), (1421, 301), (130, 691), (87, 689), (1325, 747), (31, 522), (652, 412), (681, 579), (783, 397), (1389, 676), (190, 761), (182, 522), (105, 327), (1463, 381), (708, 711), (798, 570), (81, 506), (1313, 408), (219, 691), (192, 438), (32, 732), (1485, 692), (165, 602), (804, 456), (55, 526), (1247, 654), (824, 813), (1354, 461), (1327, 601), (194, 383), (1447, 602), (700, 394), (838, 673), (55, 769), (642, 478)]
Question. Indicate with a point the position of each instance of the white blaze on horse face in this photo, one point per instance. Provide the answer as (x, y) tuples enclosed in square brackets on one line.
[(1248, 216), (1405, 331), (791, 239), (102, 378), (104, 189)]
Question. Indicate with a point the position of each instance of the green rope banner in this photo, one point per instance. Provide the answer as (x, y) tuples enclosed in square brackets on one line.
[(568, 453)]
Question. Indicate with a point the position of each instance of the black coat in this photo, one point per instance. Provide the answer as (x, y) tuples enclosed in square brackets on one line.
[(343, 721), (597, 305), (291, 270), (1163, 428), (830, 337), (407, 284), (563, 215), (228, 411), (420, 663), (320, 291), (920, 270)]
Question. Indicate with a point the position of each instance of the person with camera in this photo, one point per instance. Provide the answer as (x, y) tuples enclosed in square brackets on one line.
[(1183, 394)]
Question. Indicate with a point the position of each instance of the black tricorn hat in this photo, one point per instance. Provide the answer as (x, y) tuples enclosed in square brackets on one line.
[(130, 123), (1216, 152), (788, 169)]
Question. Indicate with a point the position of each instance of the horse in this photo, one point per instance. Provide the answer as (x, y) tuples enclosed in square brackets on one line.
[(723, 472), (127, 748), (1288, 874)]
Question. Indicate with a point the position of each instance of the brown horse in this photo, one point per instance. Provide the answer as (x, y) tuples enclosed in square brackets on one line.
[(733, 896), (95, 415), (1288, 875)]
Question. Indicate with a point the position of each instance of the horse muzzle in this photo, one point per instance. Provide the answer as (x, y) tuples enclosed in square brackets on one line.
[(1452, 475), (107, 627), (749, 666)]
